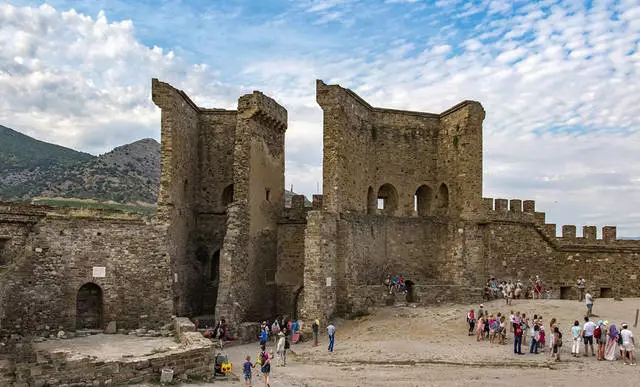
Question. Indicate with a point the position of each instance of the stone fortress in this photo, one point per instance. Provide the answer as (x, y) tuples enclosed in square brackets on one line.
[(402, 193)]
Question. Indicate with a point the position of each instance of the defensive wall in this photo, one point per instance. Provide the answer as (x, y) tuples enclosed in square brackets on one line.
[(64, 269), (403, 195)]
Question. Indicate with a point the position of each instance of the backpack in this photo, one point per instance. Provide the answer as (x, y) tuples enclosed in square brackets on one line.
[(597, 333)]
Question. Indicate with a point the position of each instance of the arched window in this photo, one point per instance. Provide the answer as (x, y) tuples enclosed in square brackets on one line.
[(387, 199), (443, 198), (227, 195), (422, 200), (371, 201)]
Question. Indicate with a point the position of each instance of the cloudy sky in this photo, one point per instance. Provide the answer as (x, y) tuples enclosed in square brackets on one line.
[(560, 80)]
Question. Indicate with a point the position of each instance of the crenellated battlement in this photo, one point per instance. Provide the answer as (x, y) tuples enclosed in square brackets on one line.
[(512, 210)]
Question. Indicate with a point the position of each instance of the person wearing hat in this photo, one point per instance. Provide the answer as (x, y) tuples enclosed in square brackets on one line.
[(628, 345)]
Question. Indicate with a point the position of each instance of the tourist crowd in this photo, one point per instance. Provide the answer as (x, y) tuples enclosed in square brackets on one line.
[(602, 340)]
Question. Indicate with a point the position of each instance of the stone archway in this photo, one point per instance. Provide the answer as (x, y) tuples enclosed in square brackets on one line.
[(89, 307), (387, 199), (227, 195)]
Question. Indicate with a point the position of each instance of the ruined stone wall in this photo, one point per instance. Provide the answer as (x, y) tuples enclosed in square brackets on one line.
[(369, 247), (414, 153), (53, 257), (459, 158), (248, 264), (319, 299), (179, 179), (519, 244), (290, 257)]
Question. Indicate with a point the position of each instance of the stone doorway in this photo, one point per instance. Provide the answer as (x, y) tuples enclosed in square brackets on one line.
[(411, 291), (606, 293), (565, 292), (89, 307)]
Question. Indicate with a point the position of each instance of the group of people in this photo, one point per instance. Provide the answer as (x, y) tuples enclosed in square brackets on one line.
[(396, 283), (510, 290), (612, 342), (283, 332)]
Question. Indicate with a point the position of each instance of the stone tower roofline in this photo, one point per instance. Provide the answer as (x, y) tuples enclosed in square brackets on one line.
[(321, 85)]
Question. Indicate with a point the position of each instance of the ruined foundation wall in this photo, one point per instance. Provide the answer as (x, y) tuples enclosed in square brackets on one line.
[(54, 257)]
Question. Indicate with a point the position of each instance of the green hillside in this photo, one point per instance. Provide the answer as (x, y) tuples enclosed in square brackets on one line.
[(19, 152)]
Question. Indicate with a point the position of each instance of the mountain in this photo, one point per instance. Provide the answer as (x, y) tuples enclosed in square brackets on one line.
[(31, 168), (35, 169)]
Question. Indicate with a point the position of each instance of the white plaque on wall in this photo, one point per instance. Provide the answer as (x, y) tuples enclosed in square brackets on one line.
[(99, 272), (328, 281)]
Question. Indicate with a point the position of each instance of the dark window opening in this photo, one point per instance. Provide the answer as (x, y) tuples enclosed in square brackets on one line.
[(267, 194), (4, 260), (565, 292), (227, 195), (270, 276), (606, 293)]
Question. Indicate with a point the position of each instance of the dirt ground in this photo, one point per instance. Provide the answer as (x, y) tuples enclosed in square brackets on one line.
[(429, 347)]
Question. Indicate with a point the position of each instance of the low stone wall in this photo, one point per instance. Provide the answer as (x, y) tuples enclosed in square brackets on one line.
[(58, 368), (377, 295)]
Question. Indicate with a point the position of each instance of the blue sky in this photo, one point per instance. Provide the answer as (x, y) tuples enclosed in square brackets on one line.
[(558, 79)]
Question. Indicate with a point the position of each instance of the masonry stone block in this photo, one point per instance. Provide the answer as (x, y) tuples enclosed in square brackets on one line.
[(529, 206), (515, 205), (609, 233), (568, 231), (589, 232), (501, 205)]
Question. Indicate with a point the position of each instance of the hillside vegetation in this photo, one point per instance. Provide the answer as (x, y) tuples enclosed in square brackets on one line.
[(126, 178)]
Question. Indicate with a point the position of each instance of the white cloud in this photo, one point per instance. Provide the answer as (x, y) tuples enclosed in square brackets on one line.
[(558, 82), (84, 82)]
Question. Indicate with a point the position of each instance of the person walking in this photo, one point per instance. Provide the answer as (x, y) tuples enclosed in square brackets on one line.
[(265, 363), (552, 336), (600, 335), (315, 327), (628, 345), (331, 330), (588, 299), (576, 333), (587, 334)]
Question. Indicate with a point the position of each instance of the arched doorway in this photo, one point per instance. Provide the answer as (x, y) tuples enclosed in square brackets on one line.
[(89, 307)]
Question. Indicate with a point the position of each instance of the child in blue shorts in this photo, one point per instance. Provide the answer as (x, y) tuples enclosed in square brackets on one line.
[(246, 369)]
